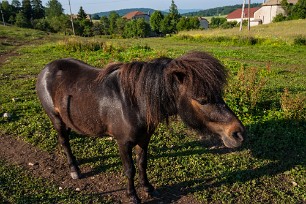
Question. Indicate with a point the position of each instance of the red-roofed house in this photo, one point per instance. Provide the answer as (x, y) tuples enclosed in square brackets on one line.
[(236, 15), (136, 14)]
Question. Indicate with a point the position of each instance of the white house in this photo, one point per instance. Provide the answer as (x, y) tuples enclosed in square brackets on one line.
[(270, 9)]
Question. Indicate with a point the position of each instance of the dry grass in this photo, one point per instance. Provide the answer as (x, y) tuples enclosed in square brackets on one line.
[(284, 31)]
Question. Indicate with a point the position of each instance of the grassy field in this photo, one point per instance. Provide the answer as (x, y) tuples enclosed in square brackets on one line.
[(267, 89)]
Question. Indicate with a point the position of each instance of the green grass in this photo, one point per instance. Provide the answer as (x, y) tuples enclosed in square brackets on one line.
[(269, 168)]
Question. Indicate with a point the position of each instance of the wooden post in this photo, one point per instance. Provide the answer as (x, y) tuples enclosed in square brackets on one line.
[(249, 22), (2, 17), (242, 15), (71, 18)]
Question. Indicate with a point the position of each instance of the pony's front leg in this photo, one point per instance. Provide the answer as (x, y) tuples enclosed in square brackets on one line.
[(125, 151), (141, 156)]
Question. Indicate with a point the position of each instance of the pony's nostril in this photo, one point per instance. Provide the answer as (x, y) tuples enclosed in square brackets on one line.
[(238, 136)]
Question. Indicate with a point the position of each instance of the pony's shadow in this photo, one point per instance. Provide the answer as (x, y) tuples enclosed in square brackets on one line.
[(280, 141), (88, 161)]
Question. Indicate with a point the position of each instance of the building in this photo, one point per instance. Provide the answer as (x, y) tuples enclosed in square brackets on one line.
[(204, 24), (236, 15), (270, 9), (135, 15)]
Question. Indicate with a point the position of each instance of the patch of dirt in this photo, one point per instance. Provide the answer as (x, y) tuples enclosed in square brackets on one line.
[(53, 167)]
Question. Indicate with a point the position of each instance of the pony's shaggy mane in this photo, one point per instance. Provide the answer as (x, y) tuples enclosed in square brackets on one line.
[(155, 83)]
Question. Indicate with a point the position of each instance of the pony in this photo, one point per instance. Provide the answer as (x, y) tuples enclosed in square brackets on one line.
[(128, 100)]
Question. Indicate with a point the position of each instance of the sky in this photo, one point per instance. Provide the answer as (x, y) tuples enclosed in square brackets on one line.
[(95, 6)]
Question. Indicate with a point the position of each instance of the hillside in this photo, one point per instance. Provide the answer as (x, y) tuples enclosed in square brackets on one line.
[(122, 12), (185, 12), (219, 10)]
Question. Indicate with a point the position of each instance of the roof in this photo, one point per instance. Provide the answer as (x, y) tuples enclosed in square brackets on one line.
[(278, 2), (133, 14), (237, 13)]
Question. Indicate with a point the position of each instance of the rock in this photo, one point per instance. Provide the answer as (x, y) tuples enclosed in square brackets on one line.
[(7, 115)]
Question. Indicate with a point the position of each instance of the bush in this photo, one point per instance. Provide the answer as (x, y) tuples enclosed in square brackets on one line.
[(229, 24), (300, 40), (245, 90), (293, 105), (278, 18)]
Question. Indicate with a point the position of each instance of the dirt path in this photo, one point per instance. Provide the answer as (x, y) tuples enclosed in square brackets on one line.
[(53, 167)]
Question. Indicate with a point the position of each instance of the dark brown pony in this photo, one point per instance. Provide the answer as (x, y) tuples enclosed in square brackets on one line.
[(127, 101)]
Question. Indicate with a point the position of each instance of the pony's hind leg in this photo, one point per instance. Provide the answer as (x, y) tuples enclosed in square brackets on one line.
[(63, 140)]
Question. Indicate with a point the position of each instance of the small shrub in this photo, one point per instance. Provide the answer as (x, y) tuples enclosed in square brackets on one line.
[(293, 105), (278, 18), (300, 40), (245, 89)]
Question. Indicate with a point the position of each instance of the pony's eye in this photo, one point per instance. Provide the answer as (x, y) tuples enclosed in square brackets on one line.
[(202, 101)]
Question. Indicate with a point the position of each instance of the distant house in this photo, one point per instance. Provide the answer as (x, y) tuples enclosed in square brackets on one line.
[(204, 24), (136, 15), (75, 16), (236, 15), (270, 9)]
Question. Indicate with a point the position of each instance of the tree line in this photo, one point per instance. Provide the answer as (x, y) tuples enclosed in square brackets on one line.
[(51, 18)]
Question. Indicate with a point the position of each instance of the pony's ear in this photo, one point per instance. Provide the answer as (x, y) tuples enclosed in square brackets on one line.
[(179, 76)]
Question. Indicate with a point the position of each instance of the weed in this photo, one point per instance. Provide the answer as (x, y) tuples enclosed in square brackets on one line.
[(293, 105), (245, 89)]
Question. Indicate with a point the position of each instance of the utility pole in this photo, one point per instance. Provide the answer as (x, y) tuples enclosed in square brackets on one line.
[(2, 17), (249, 22), (242, 15), (71, 18)]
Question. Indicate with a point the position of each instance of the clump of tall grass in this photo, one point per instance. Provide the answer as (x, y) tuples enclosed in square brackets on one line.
[(293, 105), (77, 45), (299, 40), (227, 40), (244, 90)]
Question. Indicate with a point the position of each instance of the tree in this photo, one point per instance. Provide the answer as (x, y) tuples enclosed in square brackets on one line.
[(22, 21), (194, 23), (27, 10), (112, 21), (136, 28), (104, 21), (38, 9), (155, 21), (81, 14), (166, 27), (174, 15), (16, 4), (120, 24), (142, 27), (54, 9), (182, 24), (6, 11), (217, 22), (299, 10)]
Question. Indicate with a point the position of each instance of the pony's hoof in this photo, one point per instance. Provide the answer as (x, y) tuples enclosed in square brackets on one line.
[(134, 200), (152, 194), (75, 175)]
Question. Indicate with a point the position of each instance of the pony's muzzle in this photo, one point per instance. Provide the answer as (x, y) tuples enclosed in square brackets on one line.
[(234, 136), (238, 136)]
